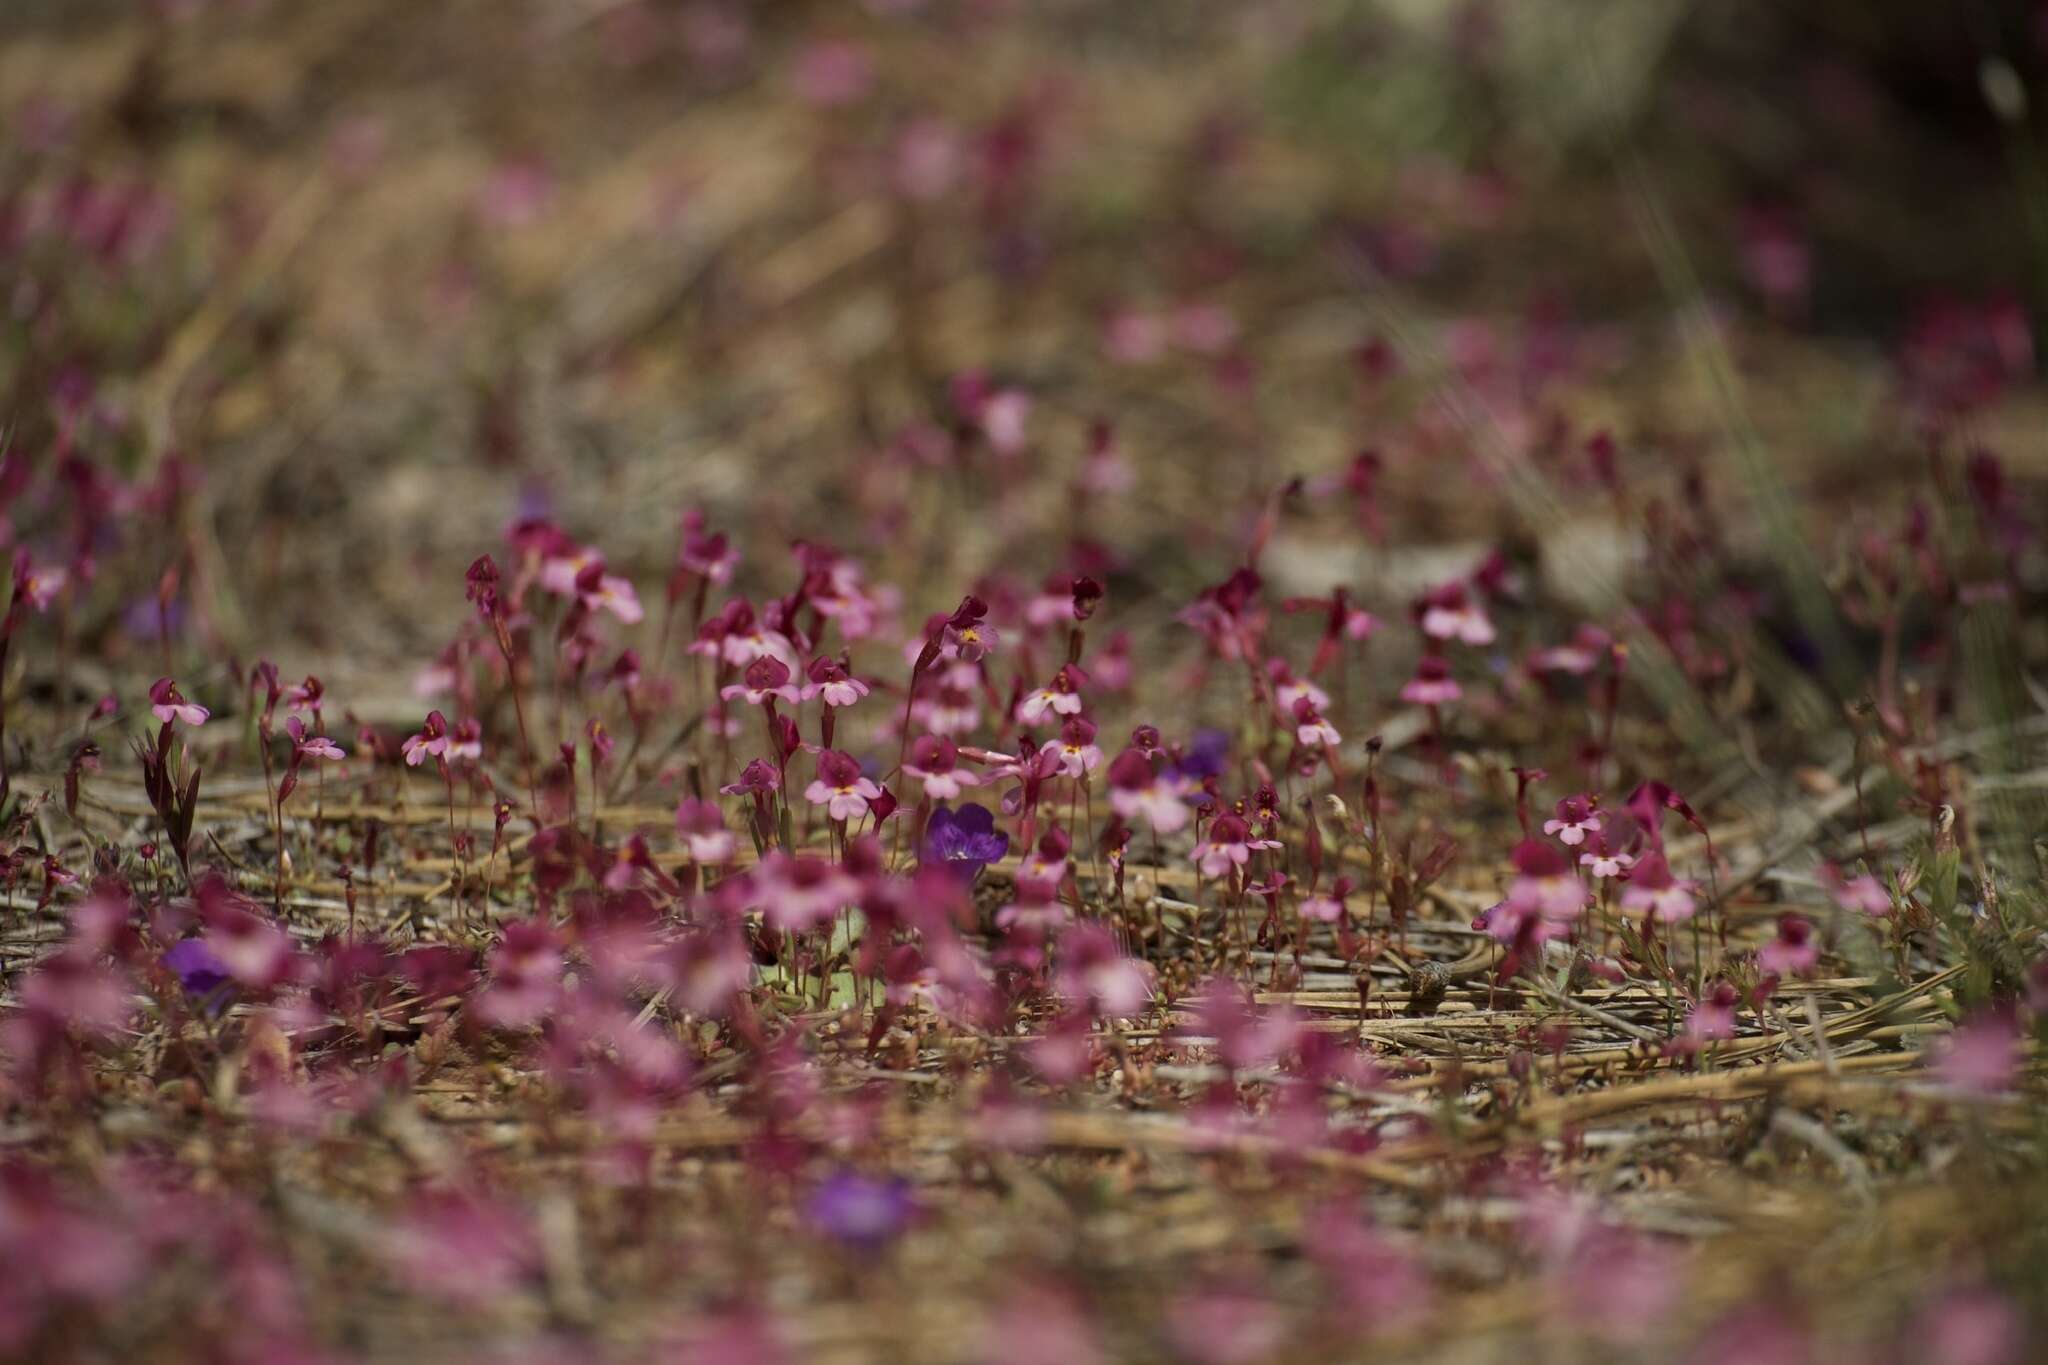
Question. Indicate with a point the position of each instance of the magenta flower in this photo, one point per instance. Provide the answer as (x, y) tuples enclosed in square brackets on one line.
[(840, 787), (1097, 975), (1229, 846), (1575, 819), (39, 587), (1712, 1018), (1310, 729), (1135, 789), (1545, 883), (431, 742), (1604, 860), (758, 778), (311, 746), (701, 826), (967, 632), (1056, 698), (1075, 750), (1982, 1057), (830, 680), (1432, 684), (169, 704), (1655, 894), (1865, 892), (1449, 613), (766, 680), (1793, 952), (934, 760)]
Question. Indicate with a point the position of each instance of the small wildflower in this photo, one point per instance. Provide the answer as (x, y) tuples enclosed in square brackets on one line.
[(1449, 613), (1575, 819), (1793, 952), (840, 787), (963, 841), (1229, 846), (1432, 684), (1135, 788), (1654, 893), (935, 761), (169, 704), (766, 679), (431, 742), (861, 1212), (830, 680)]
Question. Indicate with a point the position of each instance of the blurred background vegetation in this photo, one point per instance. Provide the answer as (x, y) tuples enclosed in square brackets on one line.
[(347, 287)]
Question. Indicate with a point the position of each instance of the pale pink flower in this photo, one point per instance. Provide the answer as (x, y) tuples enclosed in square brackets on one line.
[(1449, 613), (169, 704), (431, 741), (934, 760), (1982, 1057), (1865, 892), (1135, 789), (701, 826), (840, 787), (830, 680), (1655, 894), (1229, 846), (1575, 819), (1056, 698), (1432, 684)]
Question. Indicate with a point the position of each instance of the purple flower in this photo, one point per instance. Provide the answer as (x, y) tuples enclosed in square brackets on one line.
[(963, 841), (199, 971), (860, 1211), (1205, 756)]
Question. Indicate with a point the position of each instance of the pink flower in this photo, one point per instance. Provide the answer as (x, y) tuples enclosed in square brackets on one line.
[(39, 587), (1326, 909), (467, 741), (250, 947), (1865, 893), (311, 746), (1228, 847), (701, 826), (1432, 684), (1290, 691), (1057, 697), (1793, 952), (1545, 883), (1655, 894), (1712, 1018), (1136, 789), (1449, 613), (968, 634), (1094, 973), (934, 761), (766, 679), (1982, 1057), (797, 895), (600, 591), (830, 680), (1574, 821), (1588, 647), (1604, 860), (708, 556), (840, 788), (1075, 749), (1310, 729), (431, 741), (169, 704)]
